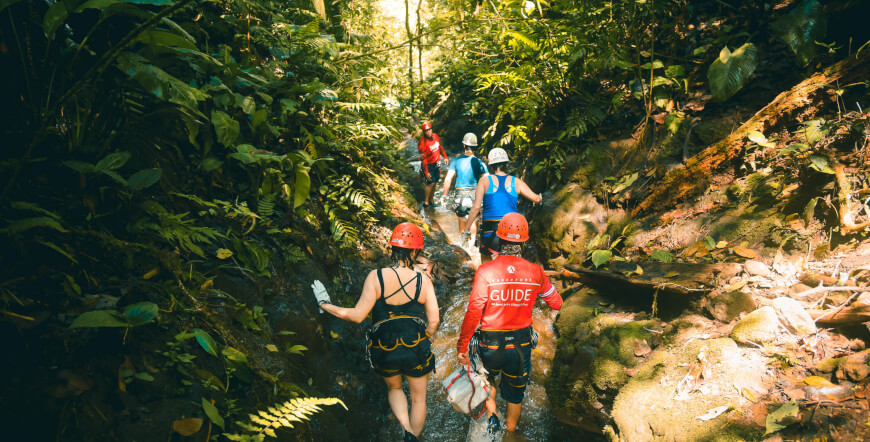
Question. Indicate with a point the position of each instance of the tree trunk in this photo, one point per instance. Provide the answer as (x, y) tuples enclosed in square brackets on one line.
[(410, 50), (803, 102), (419, 42)]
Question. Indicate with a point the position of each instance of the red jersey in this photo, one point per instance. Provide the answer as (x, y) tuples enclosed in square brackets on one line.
[(505, 290), (430, 150)]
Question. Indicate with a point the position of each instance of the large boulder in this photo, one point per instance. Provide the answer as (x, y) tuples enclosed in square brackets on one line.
[(656, 404), (568, 220)]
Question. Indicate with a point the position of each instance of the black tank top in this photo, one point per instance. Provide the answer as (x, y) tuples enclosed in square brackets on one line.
[(411, 309)]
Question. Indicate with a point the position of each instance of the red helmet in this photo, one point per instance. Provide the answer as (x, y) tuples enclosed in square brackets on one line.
[(426, 125), (407, 236), (513, 227)]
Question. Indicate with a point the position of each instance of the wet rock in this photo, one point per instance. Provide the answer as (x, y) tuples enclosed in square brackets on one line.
[(793, 316), (728, 306), (645, 408), (569, 219), (757, 327), (854, 367), (756, 268), (828, 365)]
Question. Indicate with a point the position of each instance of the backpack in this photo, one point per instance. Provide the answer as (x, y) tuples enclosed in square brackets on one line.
[(477, 168)]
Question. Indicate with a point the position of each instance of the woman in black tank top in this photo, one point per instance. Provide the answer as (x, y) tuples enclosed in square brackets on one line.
[(404, 313)]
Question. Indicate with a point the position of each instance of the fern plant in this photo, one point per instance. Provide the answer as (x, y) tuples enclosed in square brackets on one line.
[(264, 423)]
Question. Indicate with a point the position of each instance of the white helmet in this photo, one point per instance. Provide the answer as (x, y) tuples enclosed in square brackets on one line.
[(470, 139), (497, 155)]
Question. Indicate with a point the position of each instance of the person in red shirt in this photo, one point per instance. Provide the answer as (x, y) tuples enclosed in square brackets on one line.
[(431, 151), (504, 293)]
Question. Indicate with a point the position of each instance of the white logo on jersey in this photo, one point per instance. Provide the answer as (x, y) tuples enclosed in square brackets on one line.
[(511, 269)]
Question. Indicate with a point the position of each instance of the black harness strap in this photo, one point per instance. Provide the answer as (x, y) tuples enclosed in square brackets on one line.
[(503, 339)]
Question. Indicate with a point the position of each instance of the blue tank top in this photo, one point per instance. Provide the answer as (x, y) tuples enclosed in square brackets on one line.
[(500, 197), (464, 171)]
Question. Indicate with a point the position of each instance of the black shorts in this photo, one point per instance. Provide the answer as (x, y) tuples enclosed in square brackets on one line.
[(486, 237), (411, 356), (512, 364), (434, 174)]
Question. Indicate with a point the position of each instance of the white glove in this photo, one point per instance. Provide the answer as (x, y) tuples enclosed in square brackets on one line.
[(320, 293), (444, 199), (466, 240)]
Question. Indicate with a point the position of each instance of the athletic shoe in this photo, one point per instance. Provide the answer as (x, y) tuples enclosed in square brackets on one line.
[(410, 437), (494, 425)]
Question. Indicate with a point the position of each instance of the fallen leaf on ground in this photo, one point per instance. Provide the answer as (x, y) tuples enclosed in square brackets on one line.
[(783, 416), (714, 413), (641, 348), (671, 274), (187, 427), (272, 347), (748, 394), (818, 381), (744, 252)]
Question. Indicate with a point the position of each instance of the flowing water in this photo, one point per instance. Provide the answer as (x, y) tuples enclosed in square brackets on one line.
[(443, 423)]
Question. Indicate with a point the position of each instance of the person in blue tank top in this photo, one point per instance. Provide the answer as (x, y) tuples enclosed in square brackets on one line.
[(467, 169), (498, 193)]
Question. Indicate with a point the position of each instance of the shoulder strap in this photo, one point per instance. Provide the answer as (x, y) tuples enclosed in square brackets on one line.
[(509, 183), (493, 182), (381, 280), (419, 286), (402, 286)]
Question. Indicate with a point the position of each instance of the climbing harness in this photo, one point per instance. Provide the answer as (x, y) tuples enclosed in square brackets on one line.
[(397, 312), (463, 199)]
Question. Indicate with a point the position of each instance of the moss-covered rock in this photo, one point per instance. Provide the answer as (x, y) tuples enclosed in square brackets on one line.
[(648, 407), (757, 327), (592, 357)]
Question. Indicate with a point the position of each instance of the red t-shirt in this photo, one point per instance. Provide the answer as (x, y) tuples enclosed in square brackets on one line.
[(504, 293), (430, 150)]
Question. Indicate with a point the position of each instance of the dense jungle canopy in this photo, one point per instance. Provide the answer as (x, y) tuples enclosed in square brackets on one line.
[(175, 173)]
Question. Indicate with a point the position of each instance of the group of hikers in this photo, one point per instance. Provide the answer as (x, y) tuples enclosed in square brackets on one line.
[(497, 327)]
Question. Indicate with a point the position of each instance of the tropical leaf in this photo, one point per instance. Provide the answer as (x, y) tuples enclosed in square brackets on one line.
[(113, 161), (206, 342), (144, 178), (140, 313), (212, 412), (99, 318), (801, 28), (728, 77), (600, 257)]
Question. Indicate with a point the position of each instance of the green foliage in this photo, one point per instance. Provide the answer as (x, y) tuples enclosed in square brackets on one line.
[(731, 70), (802, 28), (662, 256), (133, 316), (265, 422), (206, 342)]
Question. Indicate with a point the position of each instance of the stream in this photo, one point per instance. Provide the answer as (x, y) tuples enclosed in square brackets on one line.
[(443, 423)]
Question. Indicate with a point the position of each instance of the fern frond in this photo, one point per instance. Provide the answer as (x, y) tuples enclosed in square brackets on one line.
[(266, 205), (281, 416)]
